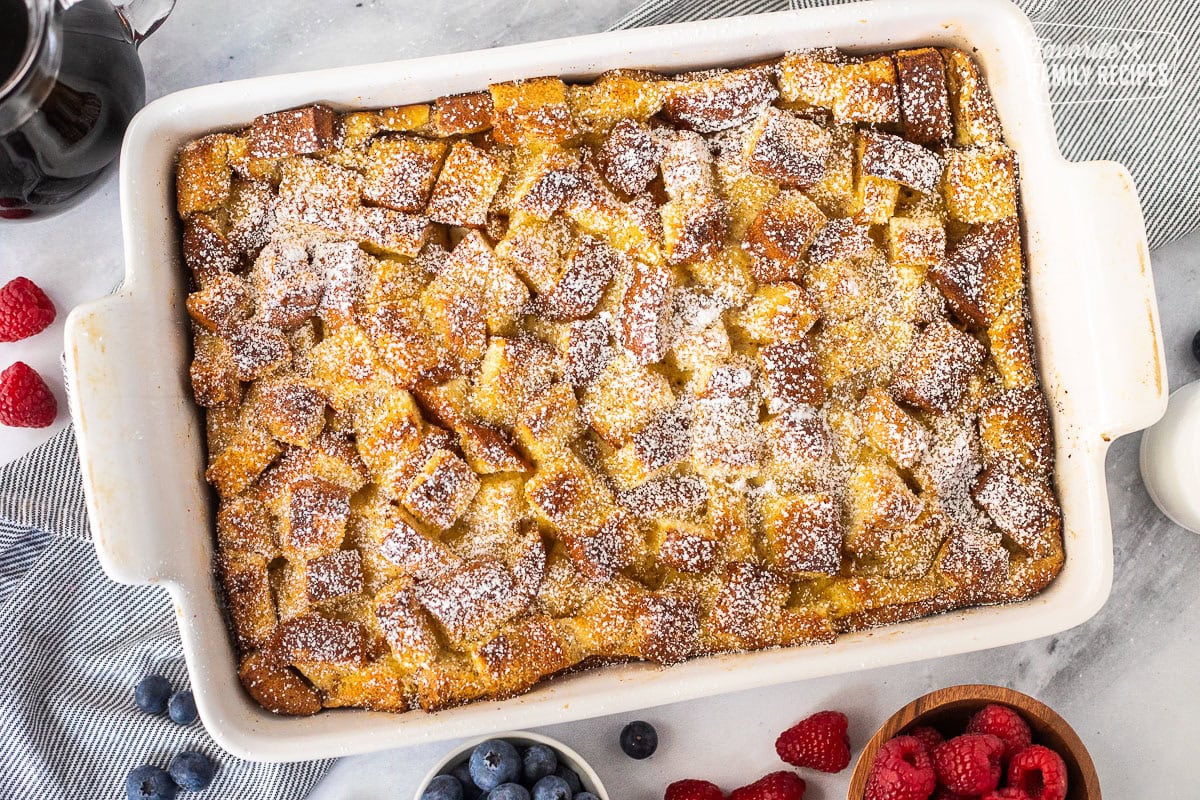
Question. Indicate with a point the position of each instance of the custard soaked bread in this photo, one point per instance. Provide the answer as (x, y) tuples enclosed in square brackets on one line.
[(549, 375)]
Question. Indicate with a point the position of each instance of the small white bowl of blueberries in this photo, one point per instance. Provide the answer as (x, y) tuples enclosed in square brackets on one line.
[(512, 766)]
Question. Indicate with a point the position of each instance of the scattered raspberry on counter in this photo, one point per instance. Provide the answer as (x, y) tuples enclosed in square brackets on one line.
[(24, 310), (780, 785), (25, 399), (694, 790), (818, 742)]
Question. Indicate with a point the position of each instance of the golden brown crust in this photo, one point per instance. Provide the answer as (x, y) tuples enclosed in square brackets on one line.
[(545, 376)]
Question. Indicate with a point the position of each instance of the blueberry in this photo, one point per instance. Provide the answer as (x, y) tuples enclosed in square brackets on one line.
[(639, 739), (494, 762), (443, 787), (552, 787), (1196, 345), (538, 761), (463, 773), (151, 694), (585, 796), (149, 783), (568, 775), (182, 708), (509, 791), (192, 771)]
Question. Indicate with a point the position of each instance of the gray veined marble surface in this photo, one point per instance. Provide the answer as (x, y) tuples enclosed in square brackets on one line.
[(1128, 680)]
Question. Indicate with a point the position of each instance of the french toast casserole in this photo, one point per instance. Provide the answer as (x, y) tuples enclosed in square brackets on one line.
[(549, 375)]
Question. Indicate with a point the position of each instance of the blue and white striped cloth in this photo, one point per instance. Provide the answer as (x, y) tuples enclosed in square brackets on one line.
[(73, 644)]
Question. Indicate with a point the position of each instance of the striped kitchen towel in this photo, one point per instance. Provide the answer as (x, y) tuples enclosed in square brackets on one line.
[(74, 643)]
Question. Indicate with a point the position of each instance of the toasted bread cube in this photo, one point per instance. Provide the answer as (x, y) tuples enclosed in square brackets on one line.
[(886, 156), (685, 546), (624, 398), (404, 118), (391, 233), (258, 350), (313, 639), (924, 99), (718, 99), (666, 627), (409, 552), (207, 251), (466, 185), (727, 274), (901, 437), (843, 289), (629, 157), (853, 346), (980, 184), (835, 193), (982, 272), (440, 493), (781, 234), (314, 517), (810, 77), (803, 534), (793, 376), (333, 575), (616, 95), (344, 268), (934, 374), (402, 339), (726, 438), (549, 423), (694, 230), (787, 148), (660, 445), (244, 526), (214, 374), (405, 625), (314, 194), (276, 687), (646, 312), (537, 250), (292, 410), (247, 585), (866, 92), (344, 364), (401, 171), (541, 181), (799, 448), (1015, 426), (358, 127), (917, 242), (975, 119), (461, 113), (251, 216), (512, 373), (777, 312), (203, 176), (692, 351), (841, 240), (485, 448), (635, 227), (745, 192), (590, 267), (299, 132), (880, 503), (748, 607), (569, 496), (531, 110), (472, 601), (588, 348), (1021, 506), (521, 654), (288, 289), (1011, 344)]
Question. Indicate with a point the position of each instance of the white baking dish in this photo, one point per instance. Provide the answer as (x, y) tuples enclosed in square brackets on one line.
[(141, 437)]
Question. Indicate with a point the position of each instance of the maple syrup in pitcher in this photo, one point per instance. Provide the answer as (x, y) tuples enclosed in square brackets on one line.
[(70, 81)]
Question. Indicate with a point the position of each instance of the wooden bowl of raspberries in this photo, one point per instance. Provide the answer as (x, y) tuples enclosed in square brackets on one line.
[(975, 741)]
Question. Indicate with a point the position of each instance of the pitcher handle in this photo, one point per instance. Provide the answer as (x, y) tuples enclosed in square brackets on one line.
[(143, 17)]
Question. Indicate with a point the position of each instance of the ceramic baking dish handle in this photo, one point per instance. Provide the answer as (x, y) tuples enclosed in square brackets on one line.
[(123, 456), (1120, 292)]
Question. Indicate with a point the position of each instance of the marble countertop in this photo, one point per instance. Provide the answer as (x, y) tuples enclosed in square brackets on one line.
[(1128, 680)]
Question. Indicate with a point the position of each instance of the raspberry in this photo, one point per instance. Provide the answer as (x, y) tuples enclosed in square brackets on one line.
[(942, 793), (694, 790), (928, 736), (25, 400), (1002, 721), (24, 310), (819, 742), (969, 764), (780, 785), (1039, 772), (1007, 793), (902, 770)]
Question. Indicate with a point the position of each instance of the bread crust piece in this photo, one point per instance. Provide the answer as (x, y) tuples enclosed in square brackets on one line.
[(544, 376)]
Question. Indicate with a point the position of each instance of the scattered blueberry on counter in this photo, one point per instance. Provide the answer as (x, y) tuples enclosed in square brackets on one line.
[(497, 771), (151, 694), (1196, 345), (150, 783), (192, 771), (494, 762), (182, 708), (639, 739)]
